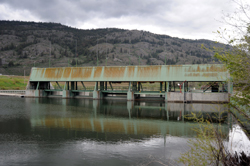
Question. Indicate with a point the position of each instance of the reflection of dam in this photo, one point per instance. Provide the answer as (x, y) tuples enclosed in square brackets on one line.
[(121, 117), (130, 109), (115, 125)]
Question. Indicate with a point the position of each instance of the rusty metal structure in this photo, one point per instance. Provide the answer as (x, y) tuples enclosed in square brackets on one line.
[(206, 72), (40, 78)]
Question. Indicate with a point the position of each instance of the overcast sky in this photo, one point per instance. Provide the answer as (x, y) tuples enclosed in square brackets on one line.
[(193, 19)]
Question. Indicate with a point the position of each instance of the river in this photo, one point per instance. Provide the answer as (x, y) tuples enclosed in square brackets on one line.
[(54, 131)]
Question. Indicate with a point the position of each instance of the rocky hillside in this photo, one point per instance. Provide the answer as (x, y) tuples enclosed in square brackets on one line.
[(27, 44)]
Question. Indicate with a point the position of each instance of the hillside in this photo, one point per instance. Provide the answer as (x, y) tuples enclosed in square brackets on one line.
[(27, 44)]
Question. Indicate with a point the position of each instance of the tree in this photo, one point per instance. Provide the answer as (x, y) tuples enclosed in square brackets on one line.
[(73, 62), (208, 148), (237, 59), (10, 64)]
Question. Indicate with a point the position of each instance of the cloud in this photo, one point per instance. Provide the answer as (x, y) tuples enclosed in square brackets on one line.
[(185, 19), (15, 14)]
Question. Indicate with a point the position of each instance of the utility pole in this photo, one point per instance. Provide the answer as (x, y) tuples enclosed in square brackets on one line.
[(66, 51), (49, 53), (97, 53), (76, 52), (129, 51), (139, 59), (106, 52), (165, 52)]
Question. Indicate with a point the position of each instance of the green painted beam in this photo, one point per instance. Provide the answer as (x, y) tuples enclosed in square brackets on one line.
[(82, 90), (150, 92), (52, 90), (114, 91)]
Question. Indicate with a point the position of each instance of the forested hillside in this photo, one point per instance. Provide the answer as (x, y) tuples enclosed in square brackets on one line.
[(27, 44)]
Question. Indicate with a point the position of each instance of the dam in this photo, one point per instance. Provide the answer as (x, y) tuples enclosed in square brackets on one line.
[(168, 77)]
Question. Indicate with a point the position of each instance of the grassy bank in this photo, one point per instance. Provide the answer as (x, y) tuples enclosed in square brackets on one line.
[(13, 82)]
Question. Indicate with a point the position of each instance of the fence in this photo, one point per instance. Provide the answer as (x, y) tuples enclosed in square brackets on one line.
[(13, 91)]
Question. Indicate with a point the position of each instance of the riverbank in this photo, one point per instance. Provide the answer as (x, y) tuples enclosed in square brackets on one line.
[(8, 82)]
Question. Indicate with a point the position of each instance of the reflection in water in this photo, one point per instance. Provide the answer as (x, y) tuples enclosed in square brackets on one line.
[(123, 118), (39, 131)]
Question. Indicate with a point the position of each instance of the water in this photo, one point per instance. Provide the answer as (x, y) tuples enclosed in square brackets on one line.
[(91, 132)]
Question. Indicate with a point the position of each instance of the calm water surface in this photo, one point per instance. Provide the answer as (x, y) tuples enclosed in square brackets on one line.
[(50, 131)]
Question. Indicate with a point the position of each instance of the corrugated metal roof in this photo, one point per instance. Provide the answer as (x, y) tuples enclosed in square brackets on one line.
[(201, 72)]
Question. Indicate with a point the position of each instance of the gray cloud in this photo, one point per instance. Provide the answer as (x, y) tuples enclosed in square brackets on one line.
[(60, 10), (192, 19)]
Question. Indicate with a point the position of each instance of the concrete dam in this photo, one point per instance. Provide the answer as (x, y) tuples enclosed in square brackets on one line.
[(173, 82)]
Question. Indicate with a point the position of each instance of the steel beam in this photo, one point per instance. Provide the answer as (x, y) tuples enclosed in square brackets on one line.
[(58, 85), (83, 85)]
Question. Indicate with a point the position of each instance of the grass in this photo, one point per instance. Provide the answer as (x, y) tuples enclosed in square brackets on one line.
[(13, 82)]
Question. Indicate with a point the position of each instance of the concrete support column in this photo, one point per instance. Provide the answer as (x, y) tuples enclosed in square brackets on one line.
[(96, 93), (66, 94), (38, 93), (183, 88), (130, 93), (166, 93)]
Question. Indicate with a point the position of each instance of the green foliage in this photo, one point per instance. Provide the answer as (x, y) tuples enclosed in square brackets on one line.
[(237, 59), (10, 64), (237, 62), (208, 146)]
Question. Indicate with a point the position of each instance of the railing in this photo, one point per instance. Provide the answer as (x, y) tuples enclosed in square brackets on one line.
[(13, 91)]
